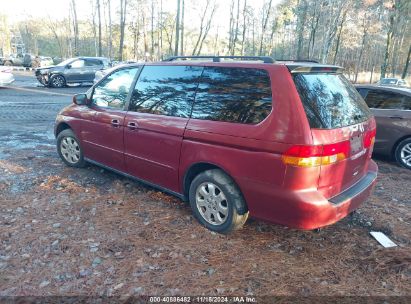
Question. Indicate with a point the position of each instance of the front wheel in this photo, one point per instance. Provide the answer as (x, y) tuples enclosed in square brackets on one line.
[(69, 149), (57, 81), (403, 153), (216, 201)]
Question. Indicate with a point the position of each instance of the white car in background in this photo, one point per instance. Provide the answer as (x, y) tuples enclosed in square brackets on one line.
[(6, 76)]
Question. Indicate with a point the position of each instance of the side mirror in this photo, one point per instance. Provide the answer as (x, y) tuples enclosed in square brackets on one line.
[(68, 66), (81, 100)]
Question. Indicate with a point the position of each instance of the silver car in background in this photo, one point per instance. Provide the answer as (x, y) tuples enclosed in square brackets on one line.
[(6, 75)]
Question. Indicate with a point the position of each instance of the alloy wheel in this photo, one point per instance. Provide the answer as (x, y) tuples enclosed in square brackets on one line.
[(405, 154), (70, 150), (211, 203)]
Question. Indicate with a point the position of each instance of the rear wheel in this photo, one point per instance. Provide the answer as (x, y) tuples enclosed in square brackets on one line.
[(403, 153), (69, 149), (216, 201), (57, 81)]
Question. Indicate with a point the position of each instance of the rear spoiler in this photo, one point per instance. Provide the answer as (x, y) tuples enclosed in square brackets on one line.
[(298, 68)]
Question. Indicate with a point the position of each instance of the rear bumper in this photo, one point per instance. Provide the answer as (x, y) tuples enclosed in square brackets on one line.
[(308, 209)]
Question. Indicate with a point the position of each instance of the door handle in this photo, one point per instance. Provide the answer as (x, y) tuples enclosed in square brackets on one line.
[(132, 125), (115, 122), (396, 117)]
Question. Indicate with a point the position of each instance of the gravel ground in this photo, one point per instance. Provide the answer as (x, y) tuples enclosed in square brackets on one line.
[(66, 231)]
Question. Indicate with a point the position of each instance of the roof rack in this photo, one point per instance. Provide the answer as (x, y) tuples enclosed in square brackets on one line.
[(264, 59), (298, 60)]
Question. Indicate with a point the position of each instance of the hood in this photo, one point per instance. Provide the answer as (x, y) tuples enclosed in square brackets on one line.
[(46, 69)]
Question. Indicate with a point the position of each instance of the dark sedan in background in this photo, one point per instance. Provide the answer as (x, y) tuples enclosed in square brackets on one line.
[(74, 70), (392, 110)]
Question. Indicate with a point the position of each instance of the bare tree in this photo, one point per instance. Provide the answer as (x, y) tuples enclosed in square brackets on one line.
[(123, 13), (334, 12), (202, 27), (182, 28), (110, 30), (177, 40), (75, 27), (152, 28), (100, 48), (264, 23), (207, 28), (244, 27), (407, 62), (302, 14)]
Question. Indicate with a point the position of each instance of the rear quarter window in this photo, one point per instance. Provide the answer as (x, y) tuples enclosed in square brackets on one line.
[(330, 101), (238, 95)]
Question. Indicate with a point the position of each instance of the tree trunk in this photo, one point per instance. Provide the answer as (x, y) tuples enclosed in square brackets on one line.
[(100, 48), (407, 63), (300, 28), (337, 47), (75, 26), (197, 44), (182, 29), (93, 13), (231, 28), (152, 29), (390, 34), (123, 12), (372, 72), (364, 38), (177, 41), (244, 27), (331, 31), (236, 28), (206, 30), (264, 27), (110, 31)]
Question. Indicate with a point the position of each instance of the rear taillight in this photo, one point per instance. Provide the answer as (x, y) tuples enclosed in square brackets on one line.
[(369, 138), (312, 156), (6, 70)]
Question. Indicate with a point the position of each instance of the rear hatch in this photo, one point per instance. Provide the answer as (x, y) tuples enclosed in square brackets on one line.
[(342, 126)]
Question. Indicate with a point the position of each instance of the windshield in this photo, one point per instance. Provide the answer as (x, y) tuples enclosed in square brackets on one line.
[(388, 81), (330, 101), (65, 62)]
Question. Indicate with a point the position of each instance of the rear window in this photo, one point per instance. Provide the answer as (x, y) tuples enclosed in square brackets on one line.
[(330, 101)]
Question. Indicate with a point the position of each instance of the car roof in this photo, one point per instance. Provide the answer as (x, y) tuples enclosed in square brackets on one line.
[(293, 67), (400, 90), (86, 57)]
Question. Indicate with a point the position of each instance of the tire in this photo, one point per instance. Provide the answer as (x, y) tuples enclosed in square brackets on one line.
[(57, 81), (216, 201), (69, 149), (403, 153)]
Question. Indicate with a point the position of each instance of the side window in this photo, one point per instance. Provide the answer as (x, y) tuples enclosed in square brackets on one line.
[(387, 100), (166, 90), (240, 95), (77, 64), (93, 62), (363, 92), (112, 91)]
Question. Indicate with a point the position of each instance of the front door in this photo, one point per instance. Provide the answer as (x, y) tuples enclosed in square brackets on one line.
[(103, 135), (75, 71), (155, 123)]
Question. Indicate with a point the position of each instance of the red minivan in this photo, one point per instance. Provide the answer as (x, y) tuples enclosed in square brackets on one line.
[(286, 142)]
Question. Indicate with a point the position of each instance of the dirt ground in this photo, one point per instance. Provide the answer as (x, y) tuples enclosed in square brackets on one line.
[(68, 231)]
